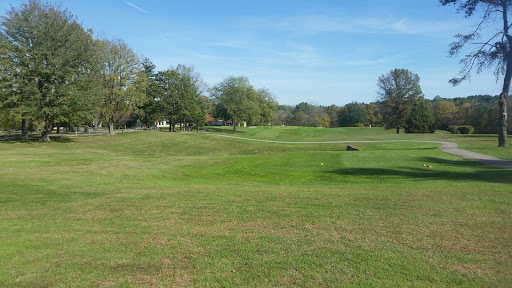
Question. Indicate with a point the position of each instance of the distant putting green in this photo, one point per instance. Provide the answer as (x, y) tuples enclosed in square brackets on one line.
[(188, 209)]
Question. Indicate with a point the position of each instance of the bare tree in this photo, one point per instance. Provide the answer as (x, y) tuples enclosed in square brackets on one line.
[(492, 51)]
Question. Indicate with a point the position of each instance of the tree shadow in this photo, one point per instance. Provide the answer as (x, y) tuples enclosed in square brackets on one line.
[(431, 160), (397, 149), (62, 139), (480, 174), (32, 139), (224, 131)]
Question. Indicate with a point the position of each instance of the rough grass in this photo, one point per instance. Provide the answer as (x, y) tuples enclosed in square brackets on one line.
[(171, 209)]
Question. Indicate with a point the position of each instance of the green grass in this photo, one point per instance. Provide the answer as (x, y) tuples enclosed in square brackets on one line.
[(178, 209), (485, 144)]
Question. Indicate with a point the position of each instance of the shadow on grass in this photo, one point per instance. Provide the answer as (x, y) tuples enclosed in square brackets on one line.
[(396, 148), (224, 130), (478, 174), (432, 160), (62, 139), (32, 139)]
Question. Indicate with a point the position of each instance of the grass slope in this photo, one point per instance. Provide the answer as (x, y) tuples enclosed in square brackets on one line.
[(485, 144), (171, 209)]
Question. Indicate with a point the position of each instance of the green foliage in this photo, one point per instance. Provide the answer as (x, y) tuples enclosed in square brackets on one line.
[(178, 94), (332, 112), (303, 115), (267, 104), (444, 114), (398, 90), (9, 120), (151, 110), (352, 115), (373, 114), (236, 98), (420, 119), (463, 130), (483, 117), (124, 81), (46, 60)]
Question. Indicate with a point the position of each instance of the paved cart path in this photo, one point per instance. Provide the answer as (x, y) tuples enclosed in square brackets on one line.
[(448, 147)]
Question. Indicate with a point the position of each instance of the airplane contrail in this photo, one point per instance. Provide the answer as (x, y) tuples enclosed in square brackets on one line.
[(136, 7)]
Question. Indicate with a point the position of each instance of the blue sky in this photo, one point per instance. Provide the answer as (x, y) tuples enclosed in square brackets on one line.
[(322, 52)]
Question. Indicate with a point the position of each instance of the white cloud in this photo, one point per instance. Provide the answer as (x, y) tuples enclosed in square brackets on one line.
[(136, 7), (317, 24)]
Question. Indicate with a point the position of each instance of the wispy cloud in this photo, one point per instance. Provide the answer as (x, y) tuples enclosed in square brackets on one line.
[(316, 24), (137, 7)]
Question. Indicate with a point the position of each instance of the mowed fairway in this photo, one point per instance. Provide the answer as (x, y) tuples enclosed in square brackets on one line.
[(160, 209)]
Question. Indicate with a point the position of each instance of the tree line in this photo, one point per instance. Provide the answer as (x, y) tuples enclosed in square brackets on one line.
[(54, 73), (401, 105)]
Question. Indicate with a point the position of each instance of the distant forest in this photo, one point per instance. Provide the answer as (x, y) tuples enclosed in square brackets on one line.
[(478, 111)]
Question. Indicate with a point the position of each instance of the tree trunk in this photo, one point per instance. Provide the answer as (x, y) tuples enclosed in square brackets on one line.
[(24, 125), (234, 123), (47, 128), (397, 129), (111, 126), (502, 122)]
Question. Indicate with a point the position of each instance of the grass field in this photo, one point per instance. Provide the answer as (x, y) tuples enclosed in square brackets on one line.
[(485, 144), (160, 209)]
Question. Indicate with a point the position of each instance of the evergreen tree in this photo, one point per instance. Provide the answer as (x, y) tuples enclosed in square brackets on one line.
[(420, 119), (352, 115)]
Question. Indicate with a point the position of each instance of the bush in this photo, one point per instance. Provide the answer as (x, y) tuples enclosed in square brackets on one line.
[(463, 130)]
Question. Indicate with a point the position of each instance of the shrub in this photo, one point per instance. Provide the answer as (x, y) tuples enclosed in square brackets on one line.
[(463, 130)]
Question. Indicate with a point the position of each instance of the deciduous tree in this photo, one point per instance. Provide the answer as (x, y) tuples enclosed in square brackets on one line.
[(44, 56), (237, 98), (124, 81), (267, 105), (398, 90), (444, 114)]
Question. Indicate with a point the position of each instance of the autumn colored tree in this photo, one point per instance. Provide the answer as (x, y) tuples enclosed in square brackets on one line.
[(372, 114), (444, 114)]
